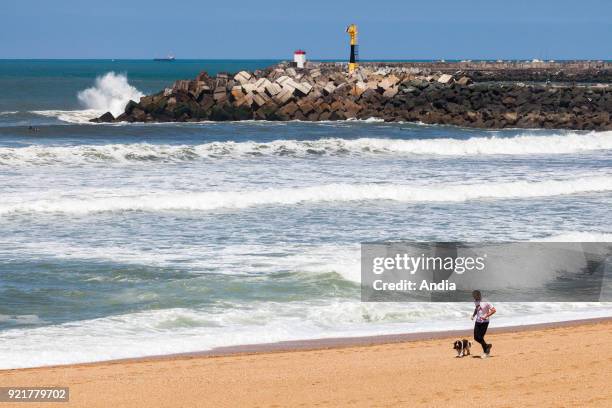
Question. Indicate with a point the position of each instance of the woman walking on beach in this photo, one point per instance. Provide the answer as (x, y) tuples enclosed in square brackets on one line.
[(482, 312)]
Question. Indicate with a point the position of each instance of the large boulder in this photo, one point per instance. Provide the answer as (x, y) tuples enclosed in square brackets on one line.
[(130, 107), (106, 118)]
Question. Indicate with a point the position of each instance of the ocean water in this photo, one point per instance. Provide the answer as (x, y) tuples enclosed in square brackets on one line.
[(127, 240)]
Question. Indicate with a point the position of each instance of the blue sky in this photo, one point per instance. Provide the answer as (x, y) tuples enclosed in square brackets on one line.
[(408, 29)]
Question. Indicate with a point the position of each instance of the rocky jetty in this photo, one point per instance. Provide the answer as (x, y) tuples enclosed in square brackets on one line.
[(485, 95)]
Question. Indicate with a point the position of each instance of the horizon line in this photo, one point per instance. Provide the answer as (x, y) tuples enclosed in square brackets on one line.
[(314, 59)]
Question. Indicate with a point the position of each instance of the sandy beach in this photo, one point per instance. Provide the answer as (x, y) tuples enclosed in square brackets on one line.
[(566, 364)]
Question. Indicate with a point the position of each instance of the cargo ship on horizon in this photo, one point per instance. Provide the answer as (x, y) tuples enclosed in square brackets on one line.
[(168, 58)]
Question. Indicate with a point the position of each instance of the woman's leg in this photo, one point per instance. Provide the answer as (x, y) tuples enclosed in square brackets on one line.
[(480, 329)]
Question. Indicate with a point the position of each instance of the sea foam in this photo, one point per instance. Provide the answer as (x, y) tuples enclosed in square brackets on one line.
[(212, 200), (71, 116), (144, 152), (562, 143)]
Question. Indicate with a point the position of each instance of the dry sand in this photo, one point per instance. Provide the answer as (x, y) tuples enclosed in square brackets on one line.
[(565, 366)]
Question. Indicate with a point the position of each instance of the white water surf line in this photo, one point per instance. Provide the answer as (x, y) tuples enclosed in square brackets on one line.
[(134, 152), (212, 200)]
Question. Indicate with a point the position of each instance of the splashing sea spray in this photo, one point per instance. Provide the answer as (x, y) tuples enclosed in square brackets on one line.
[(110, 93)]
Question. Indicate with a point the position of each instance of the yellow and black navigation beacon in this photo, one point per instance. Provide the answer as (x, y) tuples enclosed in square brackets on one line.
[(352, 31)]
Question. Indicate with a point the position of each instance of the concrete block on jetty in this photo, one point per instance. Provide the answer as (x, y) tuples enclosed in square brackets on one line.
[(464, 81), (572, 95), (284, 95), (242, 77), (445, 79), (237, 92), (329, 88), (273, 88), (303, 87)]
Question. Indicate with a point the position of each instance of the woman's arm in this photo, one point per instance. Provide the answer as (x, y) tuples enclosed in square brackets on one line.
[(490, 313), (475, 311)]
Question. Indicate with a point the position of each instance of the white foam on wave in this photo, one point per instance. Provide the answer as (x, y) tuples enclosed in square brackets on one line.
[(71, 116), (138, 152), (368, 120), (83, 154), (519, 145), (110, 93), (212, 200), (235, 259)]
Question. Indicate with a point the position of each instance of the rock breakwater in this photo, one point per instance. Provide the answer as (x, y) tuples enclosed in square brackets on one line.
[(434, 93)]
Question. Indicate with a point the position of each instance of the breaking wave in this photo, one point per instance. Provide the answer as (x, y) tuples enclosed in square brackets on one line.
[(70, 116), (110, 93), (212, 200), (519, 145)]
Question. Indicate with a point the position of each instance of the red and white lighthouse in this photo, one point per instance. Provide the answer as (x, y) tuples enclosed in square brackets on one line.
[(299, 57)]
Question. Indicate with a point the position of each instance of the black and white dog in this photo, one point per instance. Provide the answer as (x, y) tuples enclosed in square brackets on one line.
[(462, 347)]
